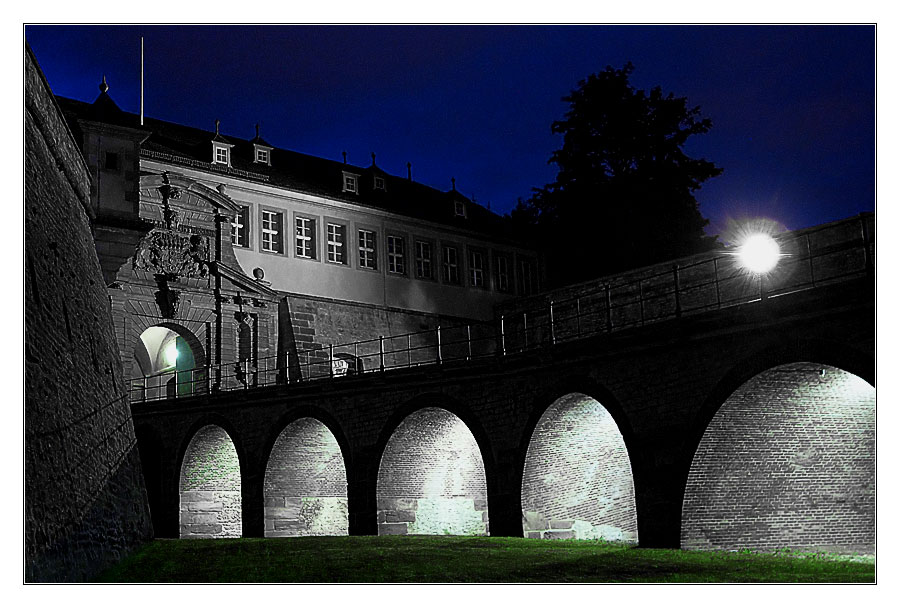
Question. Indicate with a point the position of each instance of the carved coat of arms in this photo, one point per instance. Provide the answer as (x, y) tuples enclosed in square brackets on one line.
[(175, 254)]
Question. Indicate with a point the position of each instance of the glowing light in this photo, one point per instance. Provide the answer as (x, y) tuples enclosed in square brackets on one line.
[(171, 353), (759, 253)]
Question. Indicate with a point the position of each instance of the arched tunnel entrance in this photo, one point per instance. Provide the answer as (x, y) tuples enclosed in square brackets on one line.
[(306, 483), (431, 479), (577, 481), (169, 363), (210, 486), (788, 461)]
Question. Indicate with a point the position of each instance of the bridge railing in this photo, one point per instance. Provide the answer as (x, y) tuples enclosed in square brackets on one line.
[(809, 258)]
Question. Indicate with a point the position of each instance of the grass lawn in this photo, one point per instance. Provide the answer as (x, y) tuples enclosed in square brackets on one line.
[(455, 559)]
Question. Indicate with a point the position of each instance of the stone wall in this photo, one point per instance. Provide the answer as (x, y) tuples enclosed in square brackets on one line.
[(787, 462), (577, 481), (85, 502), (431, 478), (306, 483), (210, 486)]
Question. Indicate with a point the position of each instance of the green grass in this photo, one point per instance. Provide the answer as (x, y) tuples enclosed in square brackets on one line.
[(446, 559)]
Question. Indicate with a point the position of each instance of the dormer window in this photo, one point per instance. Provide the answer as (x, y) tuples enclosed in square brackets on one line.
[(379, 182), (222, 154), (351, 182), (262, 155), (459, 209)]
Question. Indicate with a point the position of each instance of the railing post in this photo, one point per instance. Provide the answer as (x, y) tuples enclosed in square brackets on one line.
[(677, 294), (408, 352), (608, 308), (578, 316), (331, 360), (716, 281), (809, 256), (469, 341), (552, 325), (439, 358), (865, 237), (525, 327), (762, 292), (503, 335), (381, 352)]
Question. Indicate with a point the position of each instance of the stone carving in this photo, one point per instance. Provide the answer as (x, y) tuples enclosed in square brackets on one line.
[(173, 254)]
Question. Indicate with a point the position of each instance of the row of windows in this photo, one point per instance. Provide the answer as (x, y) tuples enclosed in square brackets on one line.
[(424, 253)]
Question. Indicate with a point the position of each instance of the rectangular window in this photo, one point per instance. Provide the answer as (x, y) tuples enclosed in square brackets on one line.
[(221, 155), (476, 269), (396, 254), (502, 273), (262, 156), (527, 279), (350, 183), (305, 236), (423, 260), (272, 232), (459, 209), (337, 244), (451, 265), (240, 228), (367, 256), (379, 182)]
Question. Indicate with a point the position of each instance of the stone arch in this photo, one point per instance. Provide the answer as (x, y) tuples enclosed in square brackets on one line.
[(577, 479), (787, 459), (209, 484), (185, 376), (432, 476), (305, 484)]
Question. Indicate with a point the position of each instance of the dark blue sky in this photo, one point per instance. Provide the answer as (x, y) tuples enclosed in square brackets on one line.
[(793, 107)]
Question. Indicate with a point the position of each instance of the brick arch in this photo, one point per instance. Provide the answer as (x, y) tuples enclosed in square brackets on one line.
[(594, 480), (786, 456), (426, 481), (214, 420), (140, 324), (208, 509)]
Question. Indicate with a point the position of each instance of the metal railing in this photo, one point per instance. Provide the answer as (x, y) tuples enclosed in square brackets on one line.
[(810, 258)]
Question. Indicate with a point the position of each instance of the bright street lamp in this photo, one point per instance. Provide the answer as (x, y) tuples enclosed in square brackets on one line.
[(759, 253)]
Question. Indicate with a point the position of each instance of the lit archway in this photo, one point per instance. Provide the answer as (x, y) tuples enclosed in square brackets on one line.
[(169, 363), (431, 479), (577, 481), (306, 483), (788, 461), (210, 486)]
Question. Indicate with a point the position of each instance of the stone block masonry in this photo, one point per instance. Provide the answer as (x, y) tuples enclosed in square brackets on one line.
[(210, 487), (85, 502)]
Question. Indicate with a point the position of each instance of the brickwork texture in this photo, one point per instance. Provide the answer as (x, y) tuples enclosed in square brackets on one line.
[(85, 501), (577, 481), (210, 488), (787, 462), (306, 483)]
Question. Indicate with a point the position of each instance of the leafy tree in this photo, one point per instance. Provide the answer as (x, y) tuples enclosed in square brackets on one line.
[(624, 193)]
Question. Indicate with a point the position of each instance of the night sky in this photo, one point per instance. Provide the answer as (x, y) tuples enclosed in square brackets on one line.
[(793, 107)]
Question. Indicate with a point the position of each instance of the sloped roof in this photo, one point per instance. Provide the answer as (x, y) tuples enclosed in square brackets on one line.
[(294, 170)]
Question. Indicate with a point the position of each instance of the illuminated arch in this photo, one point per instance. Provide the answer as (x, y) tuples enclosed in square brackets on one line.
[(431, 478), (169, 361), (787, 461), (577, 480), (210, 486), (305, 488)]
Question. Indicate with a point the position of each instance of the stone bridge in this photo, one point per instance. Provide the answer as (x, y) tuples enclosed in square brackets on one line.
[(747, 425)]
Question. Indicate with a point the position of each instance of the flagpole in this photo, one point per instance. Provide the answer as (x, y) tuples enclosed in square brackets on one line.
[(142, 81)]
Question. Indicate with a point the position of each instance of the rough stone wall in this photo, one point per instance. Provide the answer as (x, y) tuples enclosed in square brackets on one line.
[(431, 478), (85, 502), (306, 483), (787, 462), (210, 486), (577, 481)]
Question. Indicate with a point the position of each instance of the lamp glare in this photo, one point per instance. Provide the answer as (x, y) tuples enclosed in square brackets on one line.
[(759, 253), (171, 353)]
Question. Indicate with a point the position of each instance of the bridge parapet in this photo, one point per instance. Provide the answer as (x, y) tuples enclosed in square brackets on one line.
[(813, 257)]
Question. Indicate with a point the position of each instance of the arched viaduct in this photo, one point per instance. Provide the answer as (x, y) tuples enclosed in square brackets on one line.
[(662, 385)]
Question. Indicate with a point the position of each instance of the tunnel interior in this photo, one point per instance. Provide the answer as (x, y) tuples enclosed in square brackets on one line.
[(787, 462), (577, 482), (306, 483), (431, 478), (210, 487)]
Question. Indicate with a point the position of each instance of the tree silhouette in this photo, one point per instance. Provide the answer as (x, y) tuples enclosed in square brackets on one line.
[(624, 193)]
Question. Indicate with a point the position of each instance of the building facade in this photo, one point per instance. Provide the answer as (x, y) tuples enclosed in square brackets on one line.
[(232, 261)]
